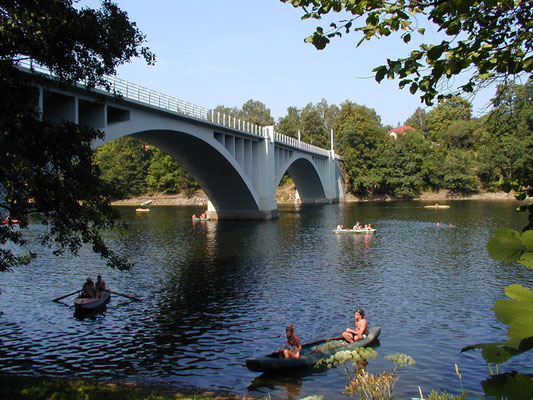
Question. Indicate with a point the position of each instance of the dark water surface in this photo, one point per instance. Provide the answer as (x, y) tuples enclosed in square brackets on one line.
[(216, 293)]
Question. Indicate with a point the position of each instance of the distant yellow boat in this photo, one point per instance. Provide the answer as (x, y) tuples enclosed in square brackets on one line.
[(142, 209), (437, 206)]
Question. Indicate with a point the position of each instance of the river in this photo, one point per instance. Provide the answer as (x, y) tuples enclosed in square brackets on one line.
[(215, 293)]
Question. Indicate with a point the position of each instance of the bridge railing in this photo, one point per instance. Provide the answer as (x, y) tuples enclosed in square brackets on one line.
[(134, 91), (288, 140)]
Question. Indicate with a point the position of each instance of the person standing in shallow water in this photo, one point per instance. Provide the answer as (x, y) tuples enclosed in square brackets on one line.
[(293, 347), (360, 331)]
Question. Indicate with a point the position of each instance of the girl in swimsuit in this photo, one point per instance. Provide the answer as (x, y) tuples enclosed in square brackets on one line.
[(293, 347)]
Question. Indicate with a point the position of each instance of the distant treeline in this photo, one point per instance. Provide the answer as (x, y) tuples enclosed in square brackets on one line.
[(444, 148)]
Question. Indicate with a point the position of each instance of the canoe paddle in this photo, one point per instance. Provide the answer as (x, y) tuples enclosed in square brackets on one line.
[(125, 295), (62, 297)]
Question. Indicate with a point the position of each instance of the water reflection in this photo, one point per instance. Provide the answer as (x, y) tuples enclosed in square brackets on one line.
[(218, 292)]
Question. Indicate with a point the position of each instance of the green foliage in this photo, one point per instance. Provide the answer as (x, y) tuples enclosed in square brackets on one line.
[(314, 123), (373, 386), (134, 168), (166, 176), (354, 356), (46, 167), (400, 359), (443, 395), (509, 246), (291, 123), (256, 112), (487, 41), (440, 118), (418, 120), (252, 111), (124, 164), (512, 385)]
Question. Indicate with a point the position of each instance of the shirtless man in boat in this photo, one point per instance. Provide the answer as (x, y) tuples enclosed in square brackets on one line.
[(361, 325), (293, 347)]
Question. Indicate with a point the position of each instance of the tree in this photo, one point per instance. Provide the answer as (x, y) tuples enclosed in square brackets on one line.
[(439, 119), (312, 126), (328, 113), (46, 167), (255, 112), (486, 40), (508, 135), (360, 138), (124, 165), (290, 124), (404, 160), (418, 120), (166, 176)]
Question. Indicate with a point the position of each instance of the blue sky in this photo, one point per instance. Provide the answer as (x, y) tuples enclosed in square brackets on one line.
[(214, 52)]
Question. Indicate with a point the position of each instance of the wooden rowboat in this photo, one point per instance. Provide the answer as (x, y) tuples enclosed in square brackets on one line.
[(354, 230), (83, 303), (311, 354)]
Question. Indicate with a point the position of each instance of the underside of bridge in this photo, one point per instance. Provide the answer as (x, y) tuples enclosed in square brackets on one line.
[(307, 182), (228, 193)]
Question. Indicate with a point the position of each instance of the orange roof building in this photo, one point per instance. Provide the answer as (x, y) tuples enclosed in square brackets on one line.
[(400, 130)]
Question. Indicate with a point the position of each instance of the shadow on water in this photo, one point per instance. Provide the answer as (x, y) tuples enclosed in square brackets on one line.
[(82, 315)]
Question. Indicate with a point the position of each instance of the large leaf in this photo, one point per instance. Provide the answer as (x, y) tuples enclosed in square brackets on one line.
[(495, 354), (526, 259), (519, 292), (507, 233), (512, 386), (513, 311), (527, 240), (505, 246), (519, 332)]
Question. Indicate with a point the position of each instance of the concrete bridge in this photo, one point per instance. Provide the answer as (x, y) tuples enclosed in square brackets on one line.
[(239, 165)]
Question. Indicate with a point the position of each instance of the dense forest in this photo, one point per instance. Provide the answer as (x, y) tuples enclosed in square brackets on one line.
[(445, 148)]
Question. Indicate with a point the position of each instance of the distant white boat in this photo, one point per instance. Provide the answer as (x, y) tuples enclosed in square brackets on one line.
[(147, 202)]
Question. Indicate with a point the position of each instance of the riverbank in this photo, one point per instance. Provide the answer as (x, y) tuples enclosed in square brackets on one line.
[(287, 194), (21, 387)]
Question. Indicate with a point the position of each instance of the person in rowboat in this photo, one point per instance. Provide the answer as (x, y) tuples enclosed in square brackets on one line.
[(361, 326), (100, 286), (293, 347), (88, 290)]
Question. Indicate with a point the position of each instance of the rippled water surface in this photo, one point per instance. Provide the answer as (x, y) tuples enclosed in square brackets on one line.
[(216, 293)]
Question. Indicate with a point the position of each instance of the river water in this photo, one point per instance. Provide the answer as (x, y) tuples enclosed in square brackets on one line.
[(215, 293)]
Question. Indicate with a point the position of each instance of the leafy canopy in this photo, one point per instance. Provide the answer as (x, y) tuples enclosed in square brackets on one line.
[(46, 167), (488, 40)]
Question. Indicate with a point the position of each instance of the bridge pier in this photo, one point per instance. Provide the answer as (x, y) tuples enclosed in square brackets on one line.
[(240, 214)]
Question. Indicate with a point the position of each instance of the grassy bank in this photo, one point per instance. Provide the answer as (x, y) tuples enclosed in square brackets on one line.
[(15, 387)]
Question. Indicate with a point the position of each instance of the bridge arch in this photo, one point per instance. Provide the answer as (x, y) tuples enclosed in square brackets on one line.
[(222, 181), (307, 180)]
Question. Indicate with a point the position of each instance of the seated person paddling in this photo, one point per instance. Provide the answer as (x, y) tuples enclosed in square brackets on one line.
[(293, 347), (88, 290), (360, 331), (100, 286)]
